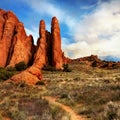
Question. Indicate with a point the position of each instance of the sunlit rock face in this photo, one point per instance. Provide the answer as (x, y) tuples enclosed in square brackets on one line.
[(15, 45), (49, 46), (57, 59)]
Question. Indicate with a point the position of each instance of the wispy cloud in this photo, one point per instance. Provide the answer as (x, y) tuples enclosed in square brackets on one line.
[(46, 7), (98, 2), (34, 32), (98, 33)]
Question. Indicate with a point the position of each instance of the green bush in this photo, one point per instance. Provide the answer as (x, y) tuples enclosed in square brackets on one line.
[(66, 68), (64, 95), (4, 74), (40, 83), (1, 68), (21, 66), (11, 68)]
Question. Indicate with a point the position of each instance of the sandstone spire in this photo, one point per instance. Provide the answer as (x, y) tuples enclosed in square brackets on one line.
[(56, 44), (40, 55), (16, 46)]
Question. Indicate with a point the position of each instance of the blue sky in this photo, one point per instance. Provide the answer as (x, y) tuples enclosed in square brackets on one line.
[(87, 26)]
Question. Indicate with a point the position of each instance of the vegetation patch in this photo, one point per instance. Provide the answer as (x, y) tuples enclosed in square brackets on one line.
[(21, 66)]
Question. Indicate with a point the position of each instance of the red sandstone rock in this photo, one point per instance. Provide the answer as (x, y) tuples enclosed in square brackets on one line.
[(15, 45), (94, 61), (22, 49), (9, 21), (49, 46), (57, 60), (2, 22), (31, 76), (40, 55), (66, 60)]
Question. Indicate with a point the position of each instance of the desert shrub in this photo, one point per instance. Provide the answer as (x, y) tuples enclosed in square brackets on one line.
[(40, 83), (10, 68), (21, 66), (59, 114), (66, 68), (22, 84), (77, 79), (1, 68), (118, 78), (111, 111), (4, 74), (64, 95), (94, 64), (16, 114), (49, 68)]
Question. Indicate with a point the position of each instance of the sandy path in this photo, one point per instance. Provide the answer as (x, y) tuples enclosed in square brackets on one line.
[(72, 114)]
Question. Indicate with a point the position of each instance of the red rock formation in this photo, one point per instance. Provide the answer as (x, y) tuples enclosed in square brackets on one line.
[(40, 55), (9, 21), (15, 45), (66, 60), (94, 61), (22, 49), (49, 46), (30, 76), (57, 60)]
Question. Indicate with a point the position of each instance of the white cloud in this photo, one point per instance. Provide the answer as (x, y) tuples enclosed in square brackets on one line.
[(98, 33), (98, 2), (46, 7), (33, 32)]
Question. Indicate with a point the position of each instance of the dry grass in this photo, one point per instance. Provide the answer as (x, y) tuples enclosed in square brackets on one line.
[(85, 89), (23, 102)]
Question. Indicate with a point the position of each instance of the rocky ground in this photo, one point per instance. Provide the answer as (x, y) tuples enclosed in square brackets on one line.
[(92, 93)]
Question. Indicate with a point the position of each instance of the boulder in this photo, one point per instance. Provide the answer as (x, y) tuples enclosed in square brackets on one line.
[(30, 76)]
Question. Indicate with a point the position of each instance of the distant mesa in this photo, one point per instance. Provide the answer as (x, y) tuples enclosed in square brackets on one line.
[(94, 61)]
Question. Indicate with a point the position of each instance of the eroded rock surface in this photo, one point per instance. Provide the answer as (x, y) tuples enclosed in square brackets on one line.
[(40, 55), (15, 45), (31, 75), (57, 59), (49, 46)]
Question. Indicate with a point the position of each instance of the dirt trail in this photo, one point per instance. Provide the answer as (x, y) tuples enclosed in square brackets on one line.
[(72, 114)]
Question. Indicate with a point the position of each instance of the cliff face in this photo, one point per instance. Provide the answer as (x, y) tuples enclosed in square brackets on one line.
[(49, 46), (16, 46)]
